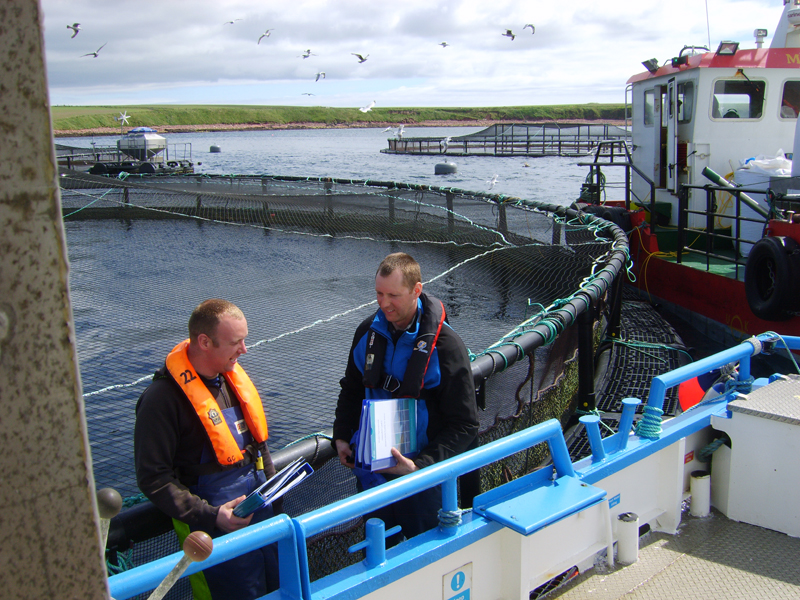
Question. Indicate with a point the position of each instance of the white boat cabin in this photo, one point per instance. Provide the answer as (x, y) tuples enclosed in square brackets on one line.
[(714, 109)]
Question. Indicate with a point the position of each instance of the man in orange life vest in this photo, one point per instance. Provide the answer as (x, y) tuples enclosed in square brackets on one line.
[(200, 444)]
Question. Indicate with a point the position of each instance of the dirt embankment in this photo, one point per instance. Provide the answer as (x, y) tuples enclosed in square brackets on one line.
[(271, 126)]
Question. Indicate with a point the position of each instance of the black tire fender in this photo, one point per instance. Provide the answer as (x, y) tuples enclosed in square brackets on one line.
[(772, 278)]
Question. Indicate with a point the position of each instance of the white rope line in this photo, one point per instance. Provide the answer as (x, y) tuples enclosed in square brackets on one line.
[(118, 386)]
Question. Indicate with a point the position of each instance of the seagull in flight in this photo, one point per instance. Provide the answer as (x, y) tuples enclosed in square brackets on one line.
[(265, 34), (307, 53), (533, 29), (492, 181), (320, 75), (94, 54), (231, 22), (368, 107), (307, 94), (444, 144), (361, 59), (510, 34), (123, 118), (444, 44), (76, 27), (397, 132)]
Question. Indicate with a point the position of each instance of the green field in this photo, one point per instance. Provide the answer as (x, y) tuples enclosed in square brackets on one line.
[(66, 118)]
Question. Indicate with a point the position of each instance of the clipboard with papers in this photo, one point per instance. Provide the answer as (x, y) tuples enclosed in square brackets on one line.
[(275, 487), (386, 424)]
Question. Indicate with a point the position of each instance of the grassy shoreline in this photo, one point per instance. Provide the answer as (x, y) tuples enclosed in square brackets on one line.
[(102, 120)]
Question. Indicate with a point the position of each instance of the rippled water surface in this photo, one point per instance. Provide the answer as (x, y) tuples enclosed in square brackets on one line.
[(356, 154)]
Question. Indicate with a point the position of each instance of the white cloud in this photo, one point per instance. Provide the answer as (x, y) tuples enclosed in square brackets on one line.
[(177, 51)]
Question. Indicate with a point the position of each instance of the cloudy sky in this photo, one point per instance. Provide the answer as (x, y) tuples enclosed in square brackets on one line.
[(185, 52)]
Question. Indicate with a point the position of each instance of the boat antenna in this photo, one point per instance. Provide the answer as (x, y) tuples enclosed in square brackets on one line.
[(708, 26)]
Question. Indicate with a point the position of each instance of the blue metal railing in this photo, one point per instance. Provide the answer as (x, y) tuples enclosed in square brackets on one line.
[(291, 534)]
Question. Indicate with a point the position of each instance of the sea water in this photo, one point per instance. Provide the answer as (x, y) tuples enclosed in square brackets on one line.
[(356, 154), (131, 295)]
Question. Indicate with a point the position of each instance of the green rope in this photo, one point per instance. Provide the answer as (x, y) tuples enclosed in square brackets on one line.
[(133, 500), (449, 518), (595, 413), (705, 453), (641, 345), (124, 562), (789, 352), (649, 426)]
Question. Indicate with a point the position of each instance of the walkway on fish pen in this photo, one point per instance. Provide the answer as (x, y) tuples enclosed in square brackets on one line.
[(541, 139)]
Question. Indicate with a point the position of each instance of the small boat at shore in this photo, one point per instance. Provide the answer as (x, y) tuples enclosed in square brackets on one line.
[(707, 190)]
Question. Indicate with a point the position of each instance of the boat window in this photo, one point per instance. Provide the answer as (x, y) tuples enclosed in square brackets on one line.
[(790, 102), (738, 99), (649, 106), (685, 101)]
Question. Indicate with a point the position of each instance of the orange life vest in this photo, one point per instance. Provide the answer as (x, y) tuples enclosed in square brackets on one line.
[(207, 408)]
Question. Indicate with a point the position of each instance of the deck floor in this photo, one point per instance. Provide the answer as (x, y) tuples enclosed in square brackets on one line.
[(709, 558)]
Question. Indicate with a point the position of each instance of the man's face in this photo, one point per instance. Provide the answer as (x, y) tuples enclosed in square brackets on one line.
[(395, 299), (228, 344)]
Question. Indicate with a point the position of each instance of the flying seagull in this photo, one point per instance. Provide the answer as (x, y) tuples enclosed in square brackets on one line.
[(263, 35), (361, 59), (444, 44), (389, 128), (492, 181), (533, 29), (307, 53), (231, 22), (307, 94), (123, 118), (320, 75), (94, 54), (76, 27), (443, 144), (510, 34), (368, 107), (397, 132)]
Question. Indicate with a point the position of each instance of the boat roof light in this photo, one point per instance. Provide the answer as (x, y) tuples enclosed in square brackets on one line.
[(727, 48), (760, 34), (651, 64)]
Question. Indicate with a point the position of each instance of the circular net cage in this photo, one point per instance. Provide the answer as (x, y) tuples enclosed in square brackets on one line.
[(299, 257)]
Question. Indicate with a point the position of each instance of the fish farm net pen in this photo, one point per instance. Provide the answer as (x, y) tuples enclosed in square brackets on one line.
[(298, 256)]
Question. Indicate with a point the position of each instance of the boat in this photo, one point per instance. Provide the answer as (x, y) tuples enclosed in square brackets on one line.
[(69, 524), (706, 187), (527, 537)]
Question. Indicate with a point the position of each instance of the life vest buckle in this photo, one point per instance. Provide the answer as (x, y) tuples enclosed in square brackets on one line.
[(391, 384)]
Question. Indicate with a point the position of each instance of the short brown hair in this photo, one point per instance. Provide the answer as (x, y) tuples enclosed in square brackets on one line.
[(412, 275), (207, 315)]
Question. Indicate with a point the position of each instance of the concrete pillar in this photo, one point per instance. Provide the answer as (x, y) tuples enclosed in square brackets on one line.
[(49, 528)]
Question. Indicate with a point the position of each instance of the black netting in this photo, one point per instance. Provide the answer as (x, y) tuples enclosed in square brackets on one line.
[(299, 257), (648, 347)]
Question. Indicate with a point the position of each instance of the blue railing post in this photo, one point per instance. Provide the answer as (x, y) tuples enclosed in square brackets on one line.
[(626, 421), (375, 542), (592, 425)]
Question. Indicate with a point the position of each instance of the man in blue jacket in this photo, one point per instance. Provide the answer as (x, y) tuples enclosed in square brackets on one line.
[(408, 350)]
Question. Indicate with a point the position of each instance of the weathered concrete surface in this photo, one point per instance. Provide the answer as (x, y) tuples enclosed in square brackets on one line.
[(49, 534)]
